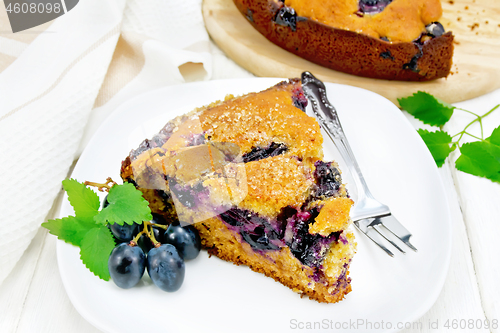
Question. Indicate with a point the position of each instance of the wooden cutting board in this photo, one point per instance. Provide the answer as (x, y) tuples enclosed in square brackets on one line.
[(476, 61)]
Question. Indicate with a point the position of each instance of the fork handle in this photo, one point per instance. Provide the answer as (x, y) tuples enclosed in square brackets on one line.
[(329, 119), (337, 135)]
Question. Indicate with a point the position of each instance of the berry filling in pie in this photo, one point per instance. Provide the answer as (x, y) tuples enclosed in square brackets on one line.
[(248, 174)]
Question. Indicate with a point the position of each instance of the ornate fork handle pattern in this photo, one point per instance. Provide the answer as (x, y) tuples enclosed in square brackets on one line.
[(368, 213), (317, 89), (326, 114)]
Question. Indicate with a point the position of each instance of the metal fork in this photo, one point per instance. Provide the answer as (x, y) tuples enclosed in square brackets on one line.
[(369, 215)]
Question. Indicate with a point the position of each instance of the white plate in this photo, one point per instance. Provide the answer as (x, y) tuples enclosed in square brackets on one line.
[(217, 296)]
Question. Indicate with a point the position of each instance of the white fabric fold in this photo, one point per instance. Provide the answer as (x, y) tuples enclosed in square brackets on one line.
[(68, 80), (47, 95)]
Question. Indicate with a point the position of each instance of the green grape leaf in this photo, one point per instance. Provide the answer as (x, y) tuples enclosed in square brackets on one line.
[(427, 108), (85, 202), (493, 144), (70, 229), (126, 205), (438, 143), (495, 136), (95, 249), (476, 160)]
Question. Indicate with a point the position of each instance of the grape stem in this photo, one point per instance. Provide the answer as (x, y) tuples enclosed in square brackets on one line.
[(152, 236), (134, 241), (478, 119), (161, 226), (102, 187), (148, 230)]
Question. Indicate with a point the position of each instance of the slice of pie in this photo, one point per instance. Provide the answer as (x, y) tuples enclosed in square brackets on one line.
[(248, 173)]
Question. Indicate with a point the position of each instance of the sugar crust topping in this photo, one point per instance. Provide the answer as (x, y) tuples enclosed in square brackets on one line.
[(400, 21), (275, 183), (260, 119)]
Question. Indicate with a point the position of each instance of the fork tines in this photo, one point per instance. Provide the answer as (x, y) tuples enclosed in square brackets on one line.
[(376, 229)]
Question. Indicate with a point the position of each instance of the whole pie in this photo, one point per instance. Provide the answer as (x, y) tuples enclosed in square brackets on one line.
[(384, 39), (248, 174)]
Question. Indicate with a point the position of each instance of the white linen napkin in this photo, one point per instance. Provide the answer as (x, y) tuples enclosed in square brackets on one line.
[(61, 85)]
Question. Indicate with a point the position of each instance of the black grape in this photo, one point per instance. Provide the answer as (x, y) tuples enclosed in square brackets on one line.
[(166, 268), (125, 232), (186, 239), (126, 265), (146, 244)]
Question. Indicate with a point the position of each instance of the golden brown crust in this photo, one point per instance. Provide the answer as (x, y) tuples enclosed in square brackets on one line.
[(333, 217), (351, 52), (257, 119), (275, 183)]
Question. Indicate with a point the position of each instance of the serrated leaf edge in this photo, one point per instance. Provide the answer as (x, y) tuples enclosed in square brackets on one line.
[(465, 156), (106, 278), (143, 202), (85, 187), (58, 236), (439, 162), (442, 103)]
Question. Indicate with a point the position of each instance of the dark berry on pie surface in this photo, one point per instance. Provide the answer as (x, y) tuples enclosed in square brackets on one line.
[(258, 239), (259, 153), (145, 145), (159, 139), (373, 6), (261, 233), (328, 179), (249, 15), (287, 17), (386, 55), (185, 197), (435, 29), (413, 64), (307, 248), (188, 196), (233, 217), (299, 99), (167, 200)]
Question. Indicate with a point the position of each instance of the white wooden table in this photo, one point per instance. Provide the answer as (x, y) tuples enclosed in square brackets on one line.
[(33, 299)]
